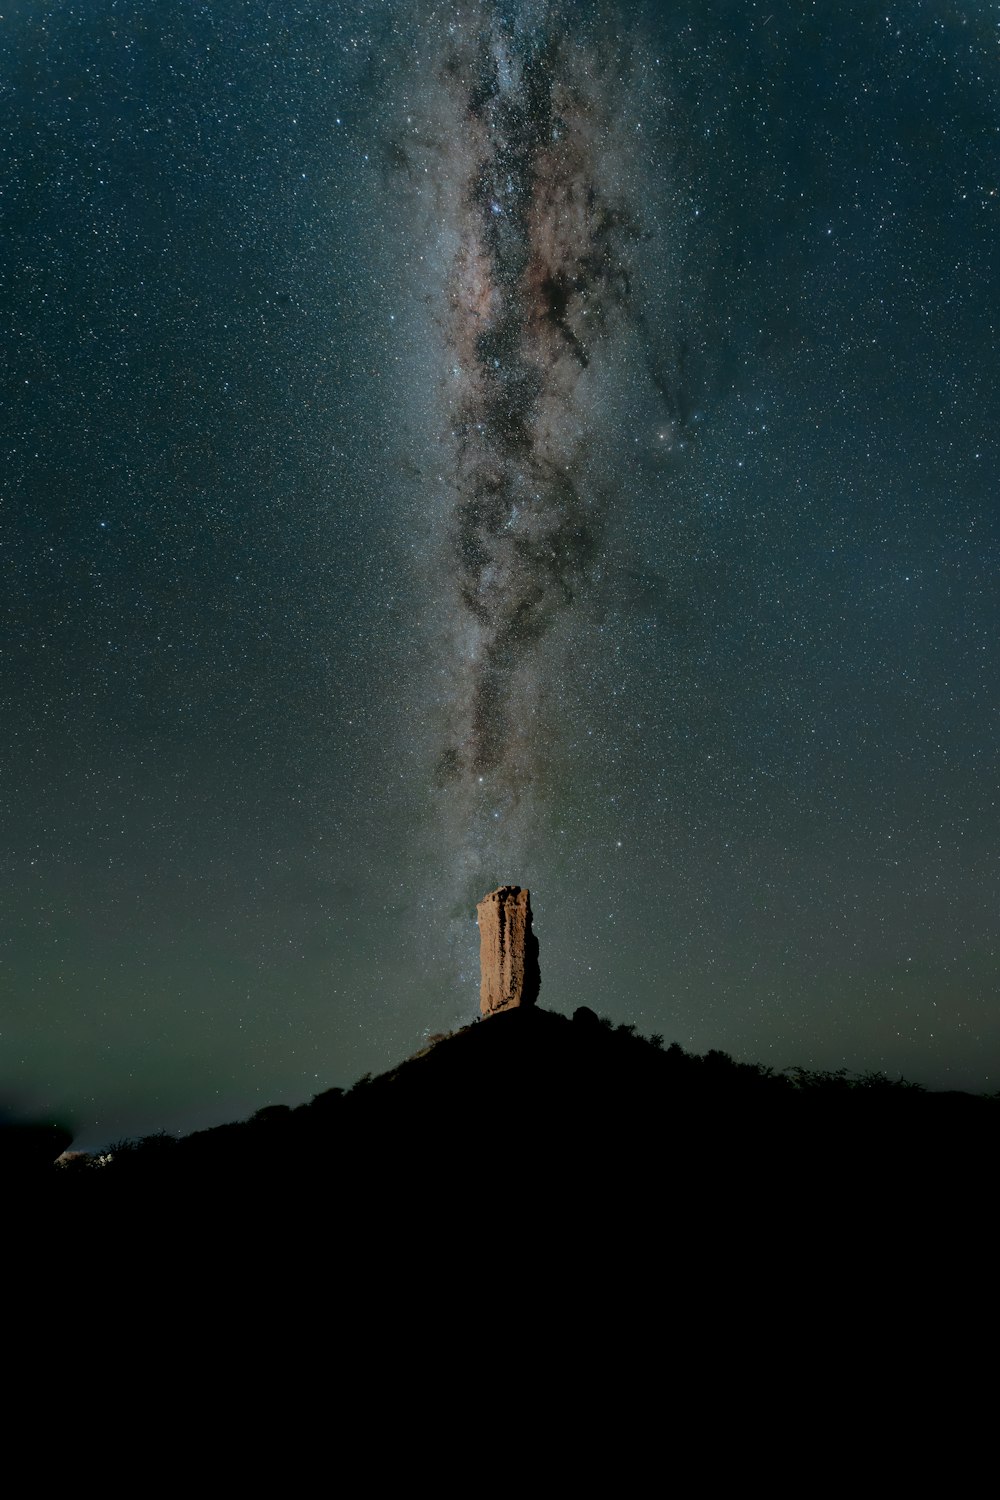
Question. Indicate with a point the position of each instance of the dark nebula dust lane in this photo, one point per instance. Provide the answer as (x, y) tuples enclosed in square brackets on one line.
[(538, 278)]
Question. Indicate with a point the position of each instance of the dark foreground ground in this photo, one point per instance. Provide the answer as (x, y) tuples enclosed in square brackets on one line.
[(530, 1195)]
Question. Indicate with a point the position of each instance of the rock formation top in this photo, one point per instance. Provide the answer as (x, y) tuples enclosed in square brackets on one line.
[(508, 951)]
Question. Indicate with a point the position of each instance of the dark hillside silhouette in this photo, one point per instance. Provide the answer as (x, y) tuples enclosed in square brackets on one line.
[(529, 1108)]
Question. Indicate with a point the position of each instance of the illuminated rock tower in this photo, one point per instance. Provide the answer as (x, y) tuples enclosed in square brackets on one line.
[(508, 951)]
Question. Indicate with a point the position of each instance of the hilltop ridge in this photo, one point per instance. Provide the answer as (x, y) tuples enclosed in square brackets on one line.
[(531, 1092)]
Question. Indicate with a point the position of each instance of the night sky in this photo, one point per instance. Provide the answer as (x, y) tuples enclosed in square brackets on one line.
[(447, 445)]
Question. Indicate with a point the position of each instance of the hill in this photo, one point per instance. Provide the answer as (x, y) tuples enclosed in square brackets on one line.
[(532, 1100)]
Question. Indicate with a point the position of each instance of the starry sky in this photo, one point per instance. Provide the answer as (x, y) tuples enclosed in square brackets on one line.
[(456, 444)]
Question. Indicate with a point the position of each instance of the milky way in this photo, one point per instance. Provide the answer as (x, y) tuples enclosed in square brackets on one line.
[(522, 134), (537, 272)]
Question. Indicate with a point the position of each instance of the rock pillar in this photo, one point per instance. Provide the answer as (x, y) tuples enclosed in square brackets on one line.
[(508, 951)]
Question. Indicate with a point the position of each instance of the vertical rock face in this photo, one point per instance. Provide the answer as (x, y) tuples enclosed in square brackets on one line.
[(508, 951)]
